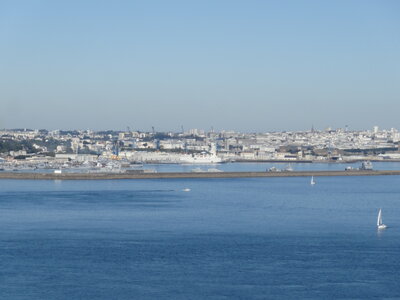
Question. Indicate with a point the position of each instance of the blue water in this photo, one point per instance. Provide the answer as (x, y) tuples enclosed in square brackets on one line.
[(261, 238)]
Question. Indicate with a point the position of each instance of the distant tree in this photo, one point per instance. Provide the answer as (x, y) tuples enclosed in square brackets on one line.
[(9, 145)]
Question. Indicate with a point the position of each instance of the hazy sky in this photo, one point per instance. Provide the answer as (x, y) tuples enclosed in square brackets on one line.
[(242, 65)]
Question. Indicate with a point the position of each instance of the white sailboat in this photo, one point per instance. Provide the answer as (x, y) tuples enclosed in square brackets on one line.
[(312, 180), (379, 221)]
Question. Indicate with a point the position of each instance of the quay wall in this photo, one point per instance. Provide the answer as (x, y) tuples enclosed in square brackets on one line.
[(106, 176)]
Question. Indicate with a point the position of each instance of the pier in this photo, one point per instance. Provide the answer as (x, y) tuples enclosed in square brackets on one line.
[(108, 176)]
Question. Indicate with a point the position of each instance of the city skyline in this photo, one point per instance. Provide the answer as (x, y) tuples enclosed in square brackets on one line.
[(258, 66), (202, 131)]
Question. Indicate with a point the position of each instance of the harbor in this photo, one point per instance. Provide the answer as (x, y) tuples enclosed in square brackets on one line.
[(199, 150)]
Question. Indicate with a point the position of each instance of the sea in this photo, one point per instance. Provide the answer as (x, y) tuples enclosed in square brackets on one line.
[(240, 238)]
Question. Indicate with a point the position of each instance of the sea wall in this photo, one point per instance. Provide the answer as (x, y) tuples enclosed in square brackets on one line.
[(103, 176)]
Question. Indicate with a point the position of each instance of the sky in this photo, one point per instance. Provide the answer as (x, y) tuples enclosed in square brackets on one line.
[(251, 66)]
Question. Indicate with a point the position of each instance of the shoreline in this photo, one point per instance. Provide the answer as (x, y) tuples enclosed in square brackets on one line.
[(281, 161), (314, 161), (192, 175)]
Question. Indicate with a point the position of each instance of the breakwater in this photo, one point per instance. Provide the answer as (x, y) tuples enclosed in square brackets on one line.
[(107, 176)]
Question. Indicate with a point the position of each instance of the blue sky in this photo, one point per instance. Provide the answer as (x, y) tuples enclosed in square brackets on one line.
[(242, 65)]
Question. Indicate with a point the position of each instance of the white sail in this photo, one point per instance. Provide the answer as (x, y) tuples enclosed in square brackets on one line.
[(379, 221), (312, 180)]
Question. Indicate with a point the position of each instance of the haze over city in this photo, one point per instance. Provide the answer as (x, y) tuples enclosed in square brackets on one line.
[(246, 66)]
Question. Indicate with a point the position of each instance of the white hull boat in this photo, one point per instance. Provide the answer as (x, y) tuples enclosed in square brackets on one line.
[(200, 159)]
